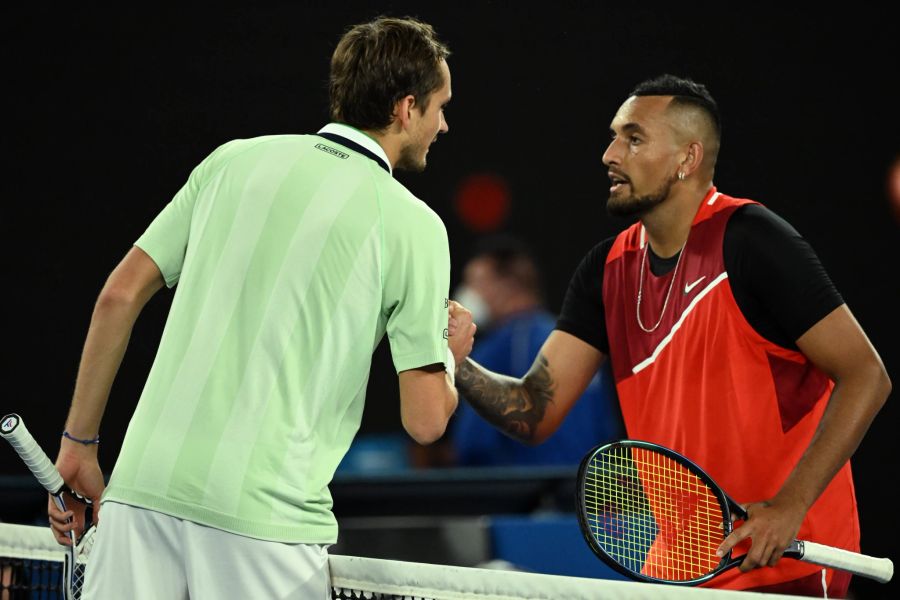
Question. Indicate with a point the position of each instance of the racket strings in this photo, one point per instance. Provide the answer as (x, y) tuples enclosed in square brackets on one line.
[(652, 515), (75, 567)]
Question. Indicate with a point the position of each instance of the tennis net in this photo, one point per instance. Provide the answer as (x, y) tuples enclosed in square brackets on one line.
[(31, 567)]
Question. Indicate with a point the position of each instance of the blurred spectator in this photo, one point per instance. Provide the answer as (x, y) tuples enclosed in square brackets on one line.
[(502, 287)]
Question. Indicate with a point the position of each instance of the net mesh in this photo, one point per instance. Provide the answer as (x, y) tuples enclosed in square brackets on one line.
[(31, 564), (652, 514), (24, 578)]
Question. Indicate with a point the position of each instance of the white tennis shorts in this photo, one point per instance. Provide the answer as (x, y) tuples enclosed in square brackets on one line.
[(140, 554)]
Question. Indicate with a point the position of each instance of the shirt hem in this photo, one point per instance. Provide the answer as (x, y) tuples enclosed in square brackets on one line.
[(274, 532), (416, 361)]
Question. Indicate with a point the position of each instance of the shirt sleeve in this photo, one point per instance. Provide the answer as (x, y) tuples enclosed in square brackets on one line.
[(582, 313), (166, 239), (778, 281), (416, 285)]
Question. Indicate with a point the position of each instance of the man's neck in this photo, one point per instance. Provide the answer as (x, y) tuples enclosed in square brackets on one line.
[(669, 223), (389, 142)]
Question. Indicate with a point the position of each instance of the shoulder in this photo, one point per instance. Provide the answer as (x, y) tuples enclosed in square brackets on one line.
[(401, 208), (225, 153), (234, 147), (597, 256), (293, 143), (757, 225)]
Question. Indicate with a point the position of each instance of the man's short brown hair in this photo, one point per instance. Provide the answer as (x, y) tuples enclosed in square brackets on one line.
[(377, 63)]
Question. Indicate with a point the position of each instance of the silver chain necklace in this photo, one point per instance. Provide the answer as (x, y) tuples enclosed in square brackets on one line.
[(641, 289)]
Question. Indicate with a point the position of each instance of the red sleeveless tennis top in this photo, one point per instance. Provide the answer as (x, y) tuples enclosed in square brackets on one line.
[(707, 385)]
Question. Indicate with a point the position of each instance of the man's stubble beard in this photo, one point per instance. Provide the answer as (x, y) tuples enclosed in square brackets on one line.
[(409, 161), (631, 206)]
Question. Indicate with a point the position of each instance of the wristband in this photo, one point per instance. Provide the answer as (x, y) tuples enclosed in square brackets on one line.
[(96, 440), (451, 367)]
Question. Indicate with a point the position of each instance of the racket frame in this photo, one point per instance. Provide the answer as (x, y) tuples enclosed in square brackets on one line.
[(730, 510)]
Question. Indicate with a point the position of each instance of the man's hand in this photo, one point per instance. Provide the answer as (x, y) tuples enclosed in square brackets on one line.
[(461, 331), (771, 526), (80, 470)]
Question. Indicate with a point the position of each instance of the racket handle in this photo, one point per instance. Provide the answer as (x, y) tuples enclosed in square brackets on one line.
[(879, 569), (13, 429)]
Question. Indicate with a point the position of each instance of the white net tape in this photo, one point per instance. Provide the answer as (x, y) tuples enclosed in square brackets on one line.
[(355, 578)]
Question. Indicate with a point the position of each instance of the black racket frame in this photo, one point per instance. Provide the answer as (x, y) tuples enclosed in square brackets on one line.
[(730, 509)]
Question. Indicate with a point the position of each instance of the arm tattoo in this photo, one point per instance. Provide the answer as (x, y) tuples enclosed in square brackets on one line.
[(515, 406)]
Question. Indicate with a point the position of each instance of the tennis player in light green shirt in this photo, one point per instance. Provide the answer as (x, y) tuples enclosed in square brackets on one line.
[(291, 257)]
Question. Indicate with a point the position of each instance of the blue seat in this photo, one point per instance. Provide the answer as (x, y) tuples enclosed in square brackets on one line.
[(376, 453), (550, 544)]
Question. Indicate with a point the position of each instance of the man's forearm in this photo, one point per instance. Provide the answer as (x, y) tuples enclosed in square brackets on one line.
[(104, 349), (131, 284), (515, 406)]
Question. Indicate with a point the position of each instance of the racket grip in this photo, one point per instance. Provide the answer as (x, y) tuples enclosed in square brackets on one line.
[(879, 569), (13, 429)]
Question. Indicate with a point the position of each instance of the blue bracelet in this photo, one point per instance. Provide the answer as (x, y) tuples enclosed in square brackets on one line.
[(96, 440)]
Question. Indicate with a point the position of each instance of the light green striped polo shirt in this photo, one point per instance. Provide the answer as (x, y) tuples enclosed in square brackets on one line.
[(293, 256)]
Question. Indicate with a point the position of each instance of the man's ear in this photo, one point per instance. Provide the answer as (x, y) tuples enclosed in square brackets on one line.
[(693, 158), (403, 110)]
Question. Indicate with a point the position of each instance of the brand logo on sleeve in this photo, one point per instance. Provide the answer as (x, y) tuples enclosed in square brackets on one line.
[(332, 151)]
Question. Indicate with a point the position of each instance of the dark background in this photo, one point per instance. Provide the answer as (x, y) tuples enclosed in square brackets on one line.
[(108, 110)]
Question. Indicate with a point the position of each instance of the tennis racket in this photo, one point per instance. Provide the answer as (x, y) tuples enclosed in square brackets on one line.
[(13, 429), (655, 516)]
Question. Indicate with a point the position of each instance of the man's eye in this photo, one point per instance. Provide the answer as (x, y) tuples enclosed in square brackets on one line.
[(635, 139)]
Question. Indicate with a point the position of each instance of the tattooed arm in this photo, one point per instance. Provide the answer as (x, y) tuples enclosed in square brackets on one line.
[(530, 409), (514, 406)]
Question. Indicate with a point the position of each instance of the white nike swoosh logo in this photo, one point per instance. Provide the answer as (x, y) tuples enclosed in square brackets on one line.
[(689, 286)]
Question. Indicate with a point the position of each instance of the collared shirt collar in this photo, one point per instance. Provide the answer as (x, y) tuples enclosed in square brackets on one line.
[(358, 137)]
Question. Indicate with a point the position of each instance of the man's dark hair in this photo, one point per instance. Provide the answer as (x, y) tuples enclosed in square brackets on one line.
[(512, 259), (377, 63), (686, 93)]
